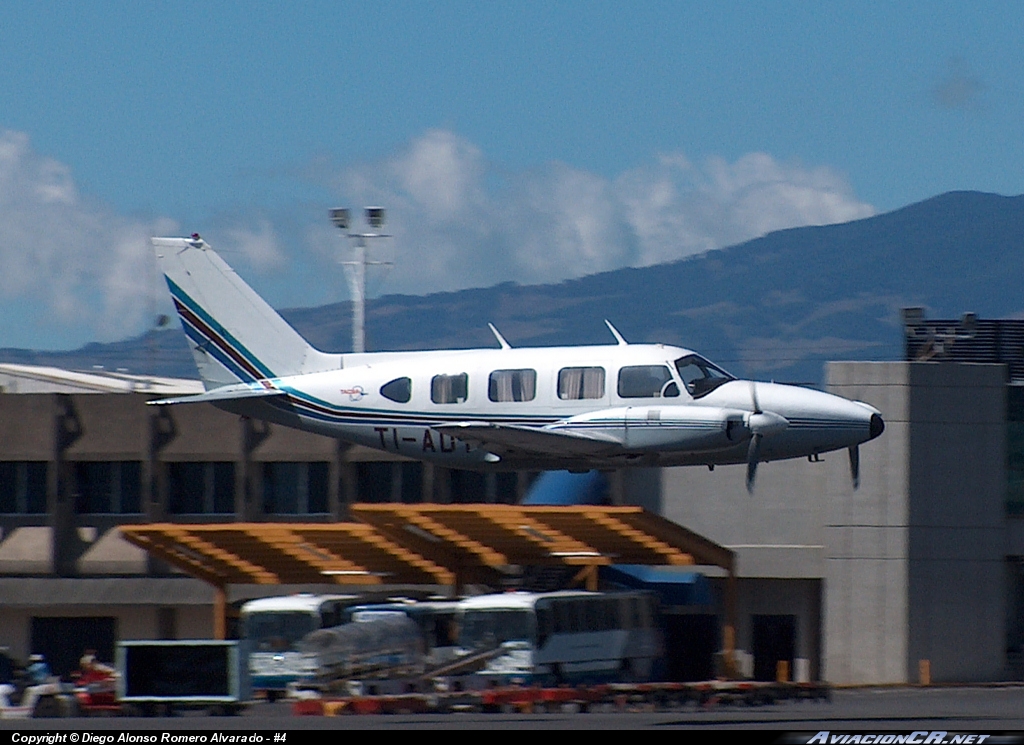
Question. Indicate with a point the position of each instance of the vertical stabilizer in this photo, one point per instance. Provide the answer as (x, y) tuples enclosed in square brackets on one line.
[(234, 334)]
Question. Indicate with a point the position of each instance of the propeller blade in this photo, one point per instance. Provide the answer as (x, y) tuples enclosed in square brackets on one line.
[(855, 465), (753, 456), (753, 397)]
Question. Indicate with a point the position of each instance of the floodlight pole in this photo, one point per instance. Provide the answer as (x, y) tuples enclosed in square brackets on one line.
[(355, 270)]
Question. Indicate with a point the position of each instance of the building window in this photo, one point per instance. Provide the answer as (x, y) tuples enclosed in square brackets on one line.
[(449, 389), (374, 481), (512, 385), (575, 383), (468, 487), (201, 488), (295, 488), (108, 487), (23, 487), (406, 482)]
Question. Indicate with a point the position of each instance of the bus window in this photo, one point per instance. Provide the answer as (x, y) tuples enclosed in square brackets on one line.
[(545, 622), (278, 632), (482, 629)]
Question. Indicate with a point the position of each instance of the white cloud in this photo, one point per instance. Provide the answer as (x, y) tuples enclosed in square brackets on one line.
[(260, 246), (72, 264), (460, 222), (80, 263)]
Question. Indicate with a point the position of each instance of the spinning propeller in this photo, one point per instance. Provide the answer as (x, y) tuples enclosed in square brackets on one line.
[(854, 451), (759, 423)]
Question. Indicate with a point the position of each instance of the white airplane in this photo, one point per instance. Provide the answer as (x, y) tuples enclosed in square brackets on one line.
[(575, 408)]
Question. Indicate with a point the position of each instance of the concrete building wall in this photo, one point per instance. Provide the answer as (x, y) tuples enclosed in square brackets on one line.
[(866, 609), (26, 427), (776, 531), (913, 561), (132, 622), (957, 519), (915, 568), (111, 427)]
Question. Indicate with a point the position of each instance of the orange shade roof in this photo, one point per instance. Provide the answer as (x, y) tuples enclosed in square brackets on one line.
[(424, 544)]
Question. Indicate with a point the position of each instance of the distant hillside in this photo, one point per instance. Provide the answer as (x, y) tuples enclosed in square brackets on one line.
[(775, 307)]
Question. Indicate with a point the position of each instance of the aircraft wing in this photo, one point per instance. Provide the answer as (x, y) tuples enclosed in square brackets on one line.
[(227, 393), (500, 438)]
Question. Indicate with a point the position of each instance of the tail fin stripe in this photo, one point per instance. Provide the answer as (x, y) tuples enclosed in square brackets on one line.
[(210, 342), (212, 332), (208, 345)]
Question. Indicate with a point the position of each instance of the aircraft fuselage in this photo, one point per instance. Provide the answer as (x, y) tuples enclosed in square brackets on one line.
[(662, 425)]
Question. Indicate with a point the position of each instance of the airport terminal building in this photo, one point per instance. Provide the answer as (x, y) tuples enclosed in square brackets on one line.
[(918, 573)]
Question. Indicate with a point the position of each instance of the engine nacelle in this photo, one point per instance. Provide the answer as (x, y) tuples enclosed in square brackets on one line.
[(679, 427)]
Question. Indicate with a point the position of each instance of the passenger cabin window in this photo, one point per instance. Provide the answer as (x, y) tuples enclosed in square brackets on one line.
[(449, 389), (700, 376), (575, 383), (647, 381), (399, 389), (512, 385)]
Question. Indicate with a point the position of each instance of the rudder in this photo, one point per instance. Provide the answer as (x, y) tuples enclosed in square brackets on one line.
[(235, 336)]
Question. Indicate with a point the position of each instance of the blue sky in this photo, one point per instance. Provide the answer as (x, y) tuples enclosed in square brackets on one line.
[(520, 140)]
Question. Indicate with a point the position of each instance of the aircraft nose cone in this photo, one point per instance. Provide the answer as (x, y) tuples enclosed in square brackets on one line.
[(877, 426)]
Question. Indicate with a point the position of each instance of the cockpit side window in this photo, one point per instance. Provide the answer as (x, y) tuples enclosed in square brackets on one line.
[(700, 376), (399, 390), (449, 389), (646, 381)]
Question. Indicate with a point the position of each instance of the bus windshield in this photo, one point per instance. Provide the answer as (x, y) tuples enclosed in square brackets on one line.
[(277, 631), (485, 628)]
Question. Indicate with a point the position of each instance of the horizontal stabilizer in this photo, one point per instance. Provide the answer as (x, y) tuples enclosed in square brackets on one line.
[(226, 393), (500, 438)]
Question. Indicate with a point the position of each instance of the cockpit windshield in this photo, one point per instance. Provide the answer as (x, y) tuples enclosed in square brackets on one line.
[(700, 376)]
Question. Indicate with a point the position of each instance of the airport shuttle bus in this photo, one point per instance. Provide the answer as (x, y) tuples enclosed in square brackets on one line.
[(272, 627), (563, 637)]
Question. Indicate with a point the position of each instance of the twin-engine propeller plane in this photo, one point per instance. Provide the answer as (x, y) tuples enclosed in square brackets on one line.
[(575, 408)]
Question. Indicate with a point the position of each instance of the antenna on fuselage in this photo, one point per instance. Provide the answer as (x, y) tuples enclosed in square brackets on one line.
[(615, 332), (497, 335)]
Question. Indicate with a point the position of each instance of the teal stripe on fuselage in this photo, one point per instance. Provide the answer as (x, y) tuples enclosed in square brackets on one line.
[(336, 414)]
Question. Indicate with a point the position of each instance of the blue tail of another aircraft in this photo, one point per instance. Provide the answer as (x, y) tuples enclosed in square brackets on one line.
[(566, 488)]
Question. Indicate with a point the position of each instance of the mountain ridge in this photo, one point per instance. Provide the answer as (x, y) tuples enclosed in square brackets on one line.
[(776, 307)]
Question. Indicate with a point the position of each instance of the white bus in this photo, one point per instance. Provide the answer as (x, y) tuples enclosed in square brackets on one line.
[(273, 626), (563, 637)]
